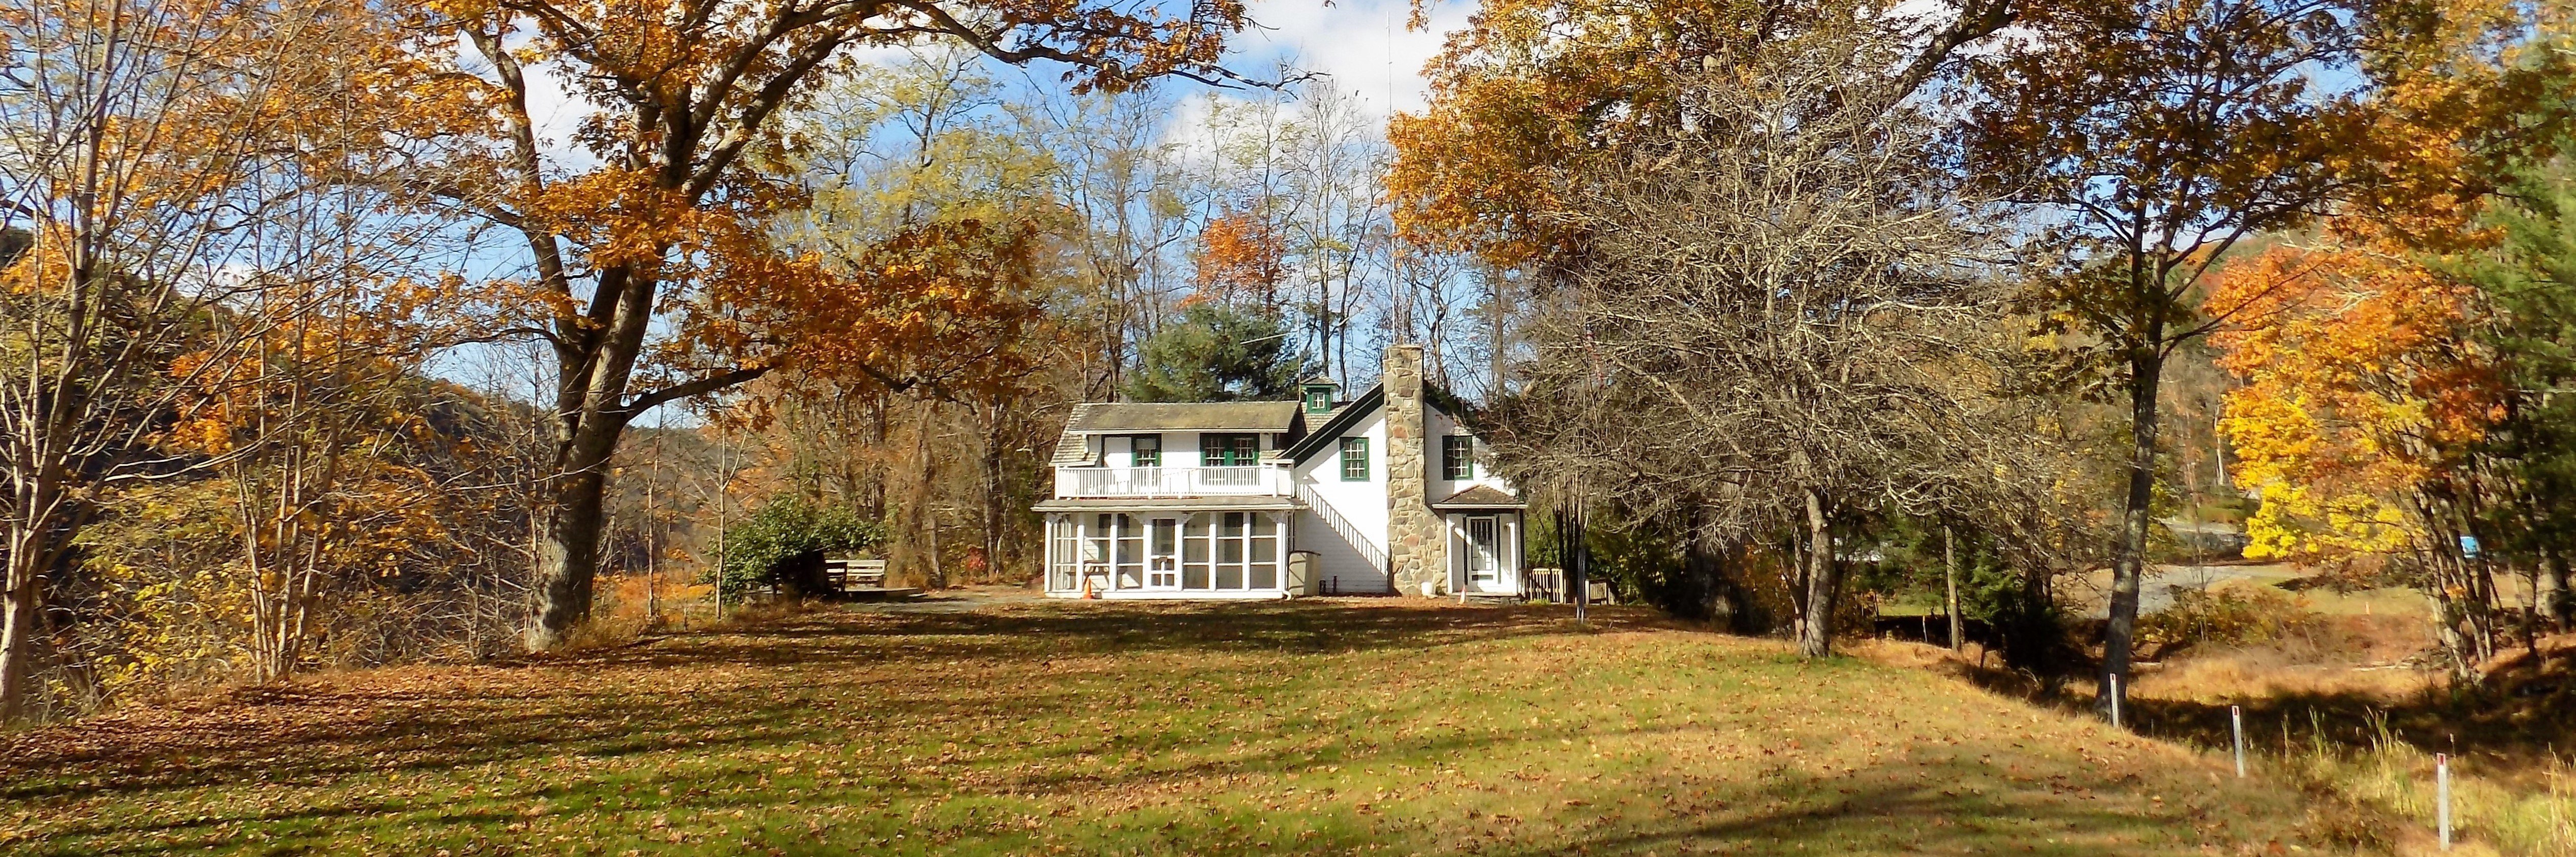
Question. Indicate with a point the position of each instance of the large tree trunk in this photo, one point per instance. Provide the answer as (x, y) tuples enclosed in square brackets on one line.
[(1824, 582), (567, 561), (568, 554), (2128, 562), (18, 625), (35, 531)]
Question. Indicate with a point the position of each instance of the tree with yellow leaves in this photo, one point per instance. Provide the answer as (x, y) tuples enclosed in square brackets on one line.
[(2365, 398), (158, 163)]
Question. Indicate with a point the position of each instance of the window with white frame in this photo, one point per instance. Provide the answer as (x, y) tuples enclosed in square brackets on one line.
[(1457, 457)]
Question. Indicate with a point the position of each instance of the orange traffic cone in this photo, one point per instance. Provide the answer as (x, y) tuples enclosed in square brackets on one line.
[(1086, 588)]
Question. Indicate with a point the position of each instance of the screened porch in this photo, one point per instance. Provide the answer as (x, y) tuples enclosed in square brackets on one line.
[(1169, 554)]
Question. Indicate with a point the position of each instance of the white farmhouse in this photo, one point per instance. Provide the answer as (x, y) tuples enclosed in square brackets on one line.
[(1380, 493)]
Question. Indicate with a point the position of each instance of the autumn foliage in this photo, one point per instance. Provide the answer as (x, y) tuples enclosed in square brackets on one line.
[(2360, 388), (1240, 253)]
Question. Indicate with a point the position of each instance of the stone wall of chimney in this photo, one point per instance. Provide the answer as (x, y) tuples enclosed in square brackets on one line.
[(1417, 546)]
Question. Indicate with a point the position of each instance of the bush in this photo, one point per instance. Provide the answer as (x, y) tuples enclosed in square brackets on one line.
[(2233, 613), (783, 544)]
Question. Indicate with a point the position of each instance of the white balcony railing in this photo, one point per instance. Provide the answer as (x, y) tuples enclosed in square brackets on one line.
[(1171, 481)]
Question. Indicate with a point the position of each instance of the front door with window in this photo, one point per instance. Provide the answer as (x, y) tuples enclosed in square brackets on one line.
[(1484, 554), (1163, 554)]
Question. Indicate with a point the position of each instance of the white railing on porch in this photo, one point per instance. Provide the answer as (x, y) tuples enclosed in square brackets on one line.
[(1341, 526), (1170, 481)]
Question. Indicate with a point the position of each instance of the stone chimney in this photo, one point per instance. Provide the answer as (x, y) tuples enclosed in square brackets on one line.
[(1417, 547)]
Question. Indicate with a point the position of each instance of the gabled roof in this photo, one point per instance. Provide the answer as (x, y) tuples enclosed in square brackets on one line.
[(1341, 421), (1350, 413), (1114, 417), (1480, 497)]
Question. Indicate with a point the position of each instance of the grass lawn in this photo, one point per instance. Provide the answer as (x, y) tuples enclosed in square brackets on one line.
[(1361, 726)]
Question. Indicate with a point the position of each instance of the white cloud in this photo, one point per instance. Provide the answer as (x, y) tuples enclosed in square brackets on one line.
[(1363, 47), (1363, 44)]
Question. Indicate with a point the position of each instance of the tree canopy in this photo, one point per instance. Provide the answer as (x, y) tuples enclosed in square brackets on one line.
[(1218, 353)]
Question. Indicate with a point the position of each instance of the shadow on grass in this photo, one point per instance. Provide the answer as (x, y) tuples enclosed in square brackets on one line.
[(2522, 715), (2509, 731), (543, 707), (1007, 718)]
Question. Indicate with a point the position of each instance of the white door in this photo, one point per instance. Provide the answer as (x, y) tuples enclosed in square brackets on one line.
[(1163, 555), (1484, 554)]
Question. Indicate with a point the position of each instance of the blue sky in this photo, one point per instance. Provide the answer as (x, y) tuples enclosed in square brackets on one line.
[(1363, 45)]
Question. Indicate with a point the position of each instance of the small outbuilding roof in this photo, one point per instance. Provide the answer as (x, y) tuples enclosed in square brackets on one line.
[(1114, 417), (1479, 497)]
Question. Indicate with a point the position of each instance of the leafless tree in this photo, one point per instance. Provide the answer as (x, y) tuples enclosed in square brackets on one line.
[(1785, 319)]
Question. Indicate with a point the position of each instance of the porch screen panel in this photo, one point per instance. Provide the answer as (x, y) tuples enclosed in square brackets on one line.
[(1229, 552), (1162, 556), (1095, 545), (1131, 553), (1265, 552), (1061, 551), (1195, 552)]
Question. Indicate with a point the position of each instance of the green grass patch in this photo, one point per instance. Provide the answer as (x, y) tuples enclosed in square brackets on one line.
[(1361, 727)]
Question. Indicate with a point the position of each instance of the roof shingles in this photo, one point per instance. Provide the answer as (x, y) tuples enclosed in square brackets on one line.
[(1110, 418)]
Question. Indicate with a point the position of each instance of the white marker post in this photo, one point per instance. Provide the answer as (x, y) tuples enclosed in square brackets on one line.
[(2442, 797), (2115, 700), (2236, 716)]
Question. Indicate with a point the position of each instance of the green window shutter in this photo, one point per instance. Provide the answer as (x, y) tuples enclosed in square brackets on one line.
[(1458, 457), (1355, 462), (1229, 450)]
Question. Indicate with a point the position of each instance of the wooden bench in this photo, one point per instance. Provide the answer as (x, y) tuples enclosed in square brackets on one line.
[(849, 574)]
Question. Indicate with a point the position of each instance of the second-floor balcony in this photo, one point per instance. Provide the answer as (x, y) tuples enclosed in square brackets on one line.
[(1072, 482)]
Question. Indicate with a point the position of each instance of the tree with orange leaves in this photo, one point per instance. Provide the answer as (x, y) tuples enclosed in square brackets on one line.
[(1241, 255), (160, 164), (1530, 86), (2159, 136), (2398, 376), (2366, 397), (677, 212)]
